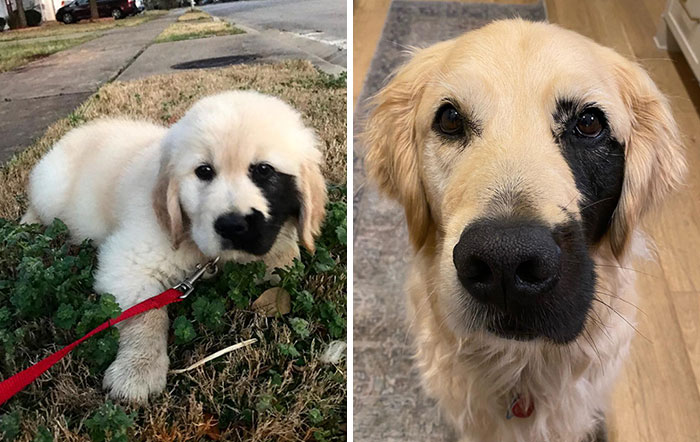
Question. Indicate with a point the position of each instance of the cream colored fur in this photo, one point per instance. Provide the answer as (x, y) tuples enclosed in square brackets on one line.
[(131, 187), (509, 75)]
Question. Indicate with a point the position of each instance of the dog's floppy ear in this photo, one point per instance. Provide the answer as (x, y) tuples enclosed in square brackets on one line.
[(312, 188), (392, 158), (654, 159), (166, 204)]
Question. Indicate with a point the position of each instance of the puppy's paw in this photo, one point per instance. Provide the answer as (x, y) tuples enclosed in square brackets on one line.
[(135, 379)]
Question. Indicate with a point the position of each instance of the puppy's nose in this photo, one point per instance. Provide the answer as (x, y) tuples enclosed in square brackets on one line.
[(231, 225), (507, 264)]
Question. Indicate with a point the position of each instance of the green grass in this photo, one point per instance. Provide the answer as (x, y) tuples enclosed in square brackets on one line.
[(45, 291), (17, 53), (276, 389), (196, 24)]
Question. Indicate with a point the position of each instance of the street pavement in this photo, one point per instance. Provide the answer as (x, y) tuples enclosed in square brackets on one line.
[(317, 27), (321, 20)]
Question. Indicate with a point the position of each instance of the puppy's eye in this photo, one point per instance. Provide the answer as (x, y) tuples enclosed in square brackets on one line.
[(589, 124), (205, 172), (261, 170), (449, 121)]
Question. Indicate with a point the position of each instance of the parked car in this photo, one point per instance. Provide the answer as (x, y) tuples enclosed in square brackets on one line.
[(80, 9)]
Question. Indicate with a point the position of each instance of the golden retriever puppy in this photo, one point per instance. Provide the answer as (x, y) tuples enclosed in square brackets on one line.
[(237, 177), (525, 156)]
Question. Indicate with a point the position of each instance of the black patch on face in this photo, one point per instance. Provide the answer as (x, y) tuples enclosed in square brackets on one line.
[(284, 202), (597, 163), (529, 281)]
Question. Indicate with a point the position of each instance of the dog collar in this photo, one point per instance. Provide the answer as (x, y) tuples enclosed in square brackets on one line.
[(520, 407)]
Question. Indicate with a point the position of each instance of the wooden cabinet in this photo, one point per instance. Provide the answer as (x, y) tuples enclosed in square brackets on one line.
[(679, 29)]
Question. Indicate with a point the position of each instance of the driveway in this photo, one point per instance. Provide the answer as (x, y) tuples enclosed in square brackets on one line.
[(320, 20)]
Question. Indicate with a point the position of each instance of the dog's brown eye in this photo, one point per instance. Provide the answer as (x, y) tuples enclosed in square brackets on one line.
[(205, 172), (262, 170), (449, 121), (589, 124)]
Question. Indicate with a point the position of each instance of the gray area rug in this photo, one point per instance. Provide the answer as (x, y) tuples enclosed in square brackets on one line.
[(388, 402)]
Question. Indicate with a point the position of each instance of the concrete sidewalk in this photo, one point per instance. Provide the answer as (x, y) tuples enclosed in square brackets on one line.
[(39, 93)]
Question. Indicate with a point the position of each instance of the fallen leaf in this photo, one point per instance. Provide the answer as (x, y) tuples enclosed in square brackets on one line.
[(273, 302)]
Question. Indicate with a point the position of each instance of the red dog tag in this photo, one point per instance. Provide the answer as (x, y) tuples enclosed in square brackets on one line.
[(518, 408)]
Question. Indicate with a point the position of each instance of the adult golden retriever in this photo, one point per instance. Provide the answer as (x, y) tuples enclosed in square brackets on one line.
[(237, 177), (525, 156)]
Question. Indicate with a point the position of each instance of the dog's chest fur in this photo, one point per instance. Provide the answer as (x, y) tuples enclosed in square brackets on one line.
[(475, 378)]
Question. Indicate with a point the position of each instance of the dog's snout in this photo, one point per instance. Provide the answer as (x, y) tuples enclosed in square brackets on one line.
[(507, 264), (231, 225)]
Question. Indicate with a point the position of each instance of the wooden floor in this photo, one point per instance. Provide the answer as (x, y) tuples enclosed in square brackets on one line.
[(658, 396)]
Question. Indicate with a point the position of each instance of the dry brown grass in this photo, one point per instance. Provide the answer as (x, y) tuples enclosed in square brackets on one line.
[(196, 24), (164, 99)]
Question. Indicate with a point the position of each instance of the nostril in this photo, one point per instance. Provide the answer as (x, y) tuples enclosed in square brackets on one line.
[(238, 228), (477, 270), (532, 271)]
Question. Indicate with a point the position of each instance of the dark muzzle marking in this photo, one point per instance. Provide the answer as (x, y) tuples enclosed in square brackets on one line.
[(529, 280)]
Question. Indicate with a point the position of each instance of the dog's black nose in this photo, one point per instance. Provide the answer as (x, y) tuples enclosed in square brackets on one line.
[(507, 264), (231, 225)]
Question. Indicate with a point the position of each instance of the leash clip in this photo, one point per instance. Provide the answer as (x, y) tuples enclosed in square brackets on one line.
[(187, 286)]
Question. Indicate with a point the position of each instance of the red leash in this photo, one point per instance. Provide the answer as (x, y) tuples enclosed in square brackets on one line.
[(16, 383)]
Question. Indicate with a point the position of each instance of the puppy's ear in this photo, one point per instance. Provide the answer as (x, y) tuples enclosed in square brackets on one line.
[(392, 158), (654, 158), (166, 204), (312, 189)]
